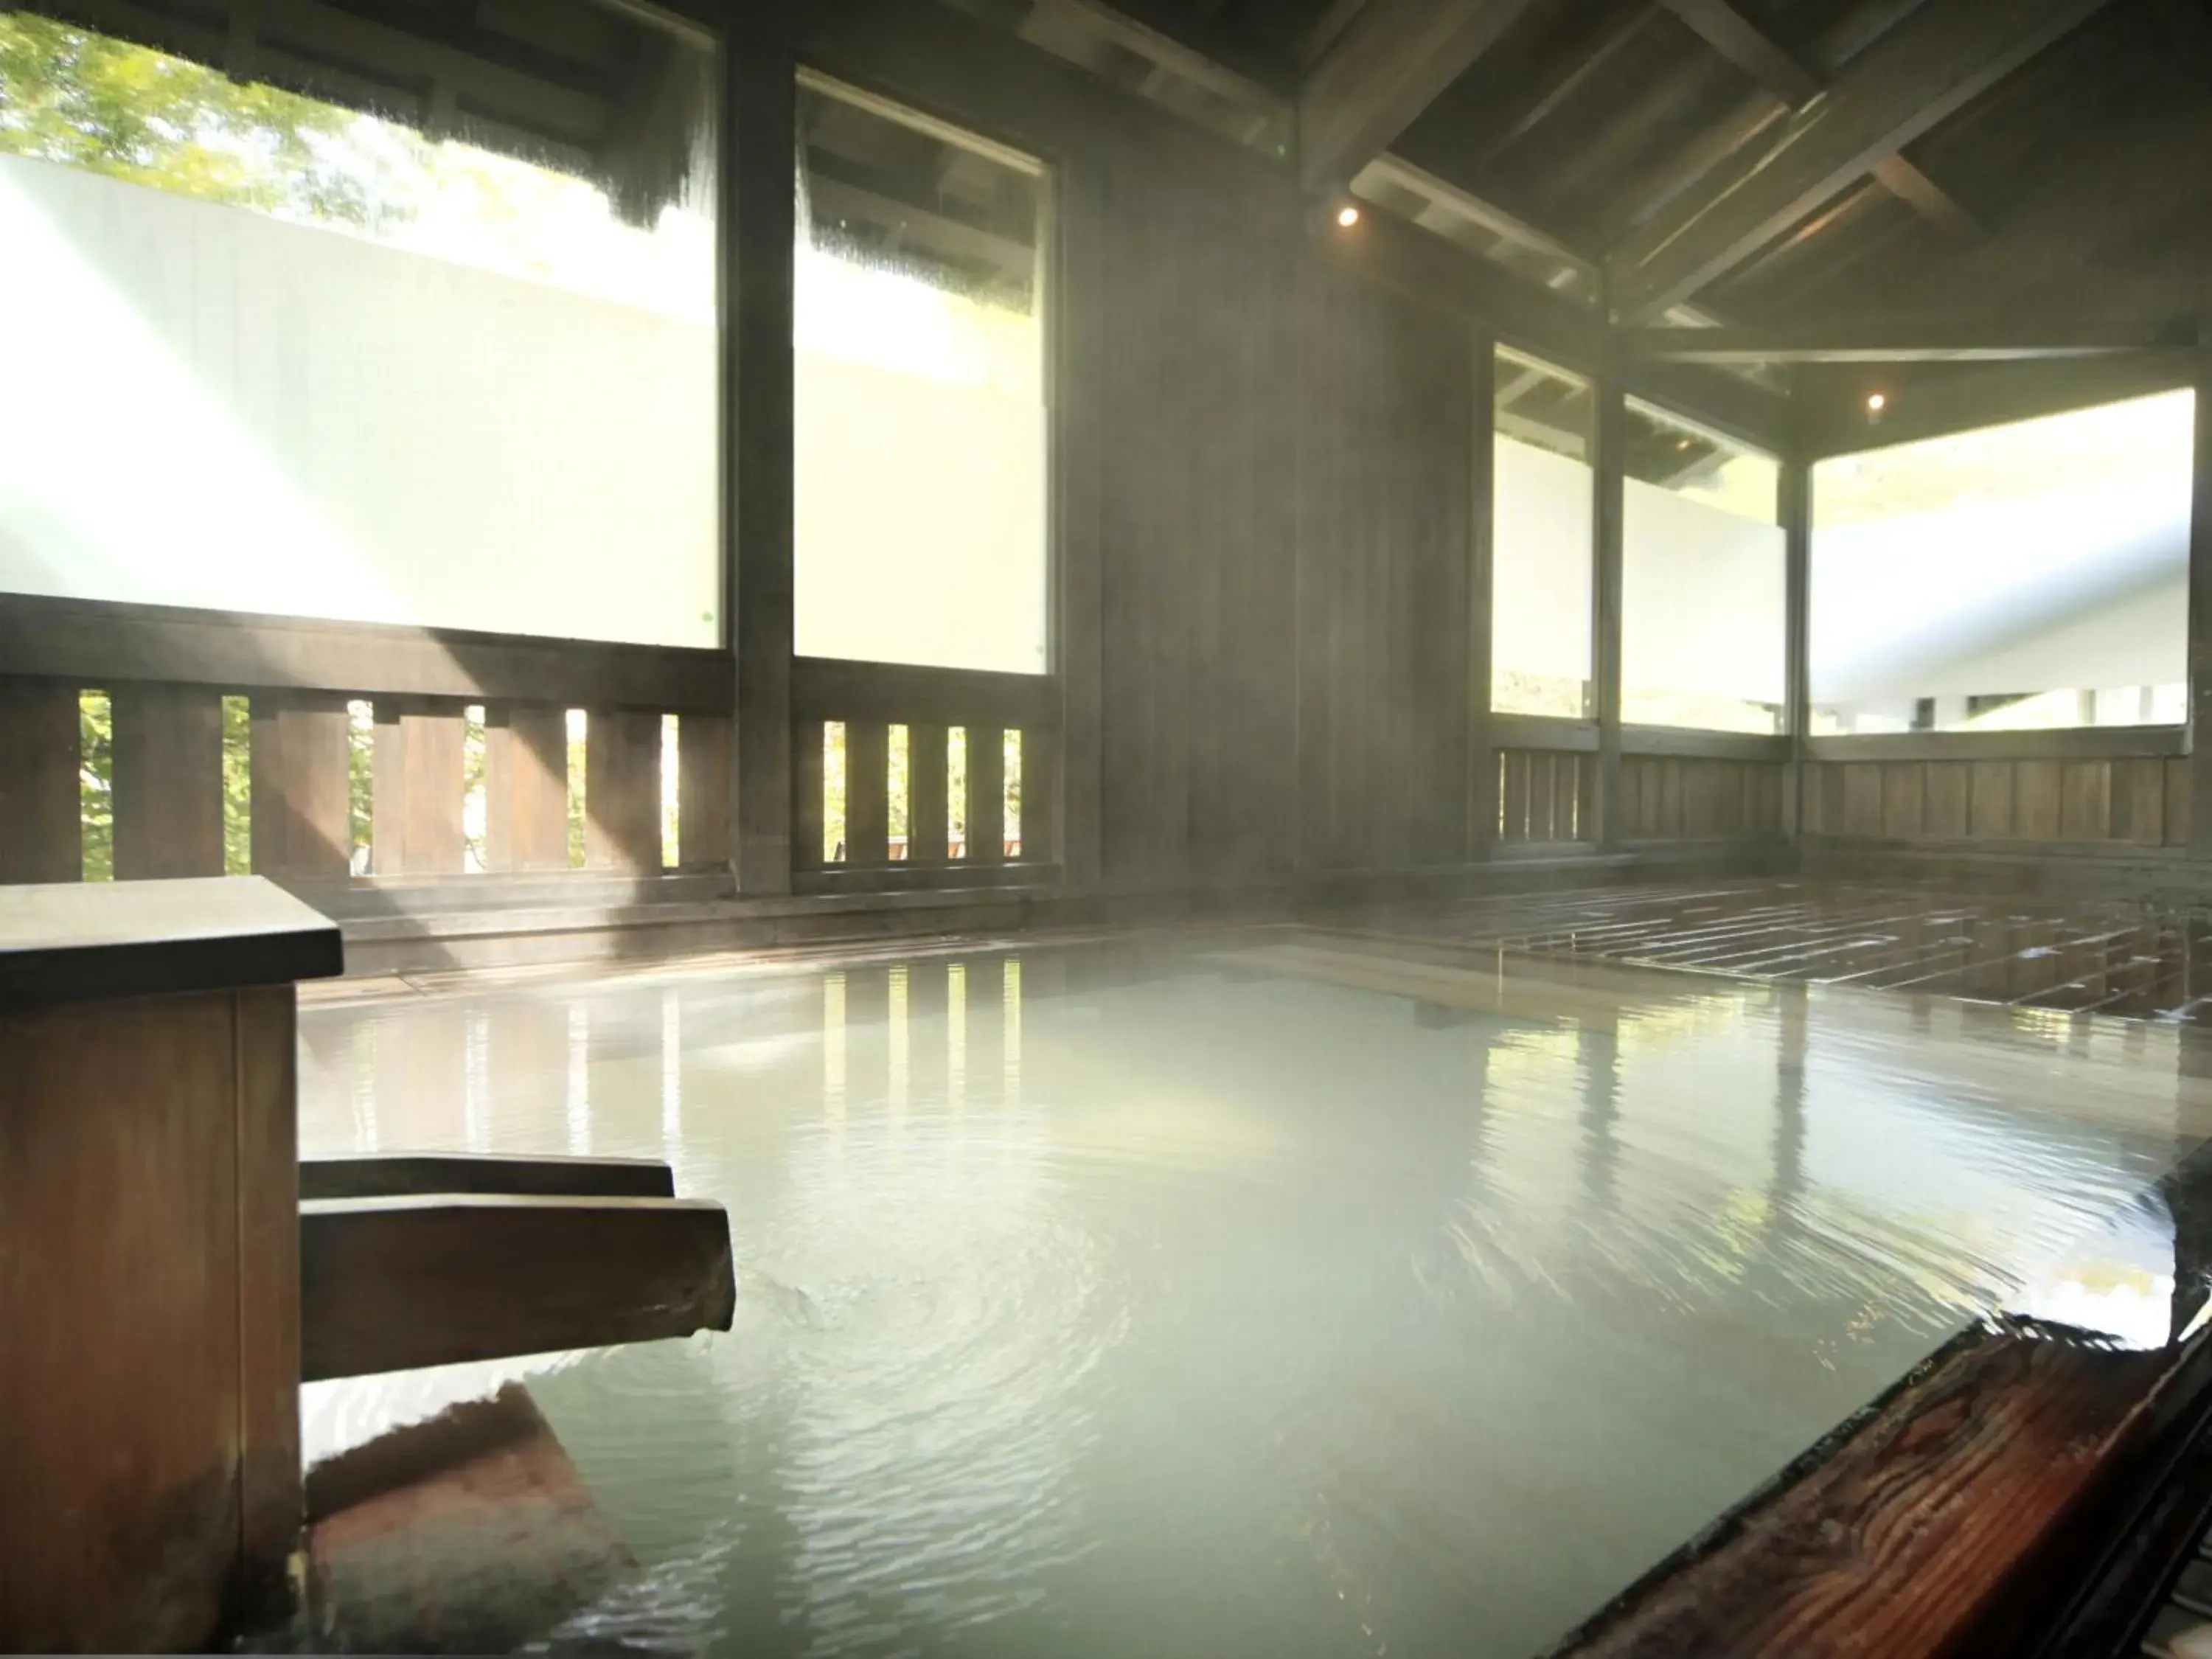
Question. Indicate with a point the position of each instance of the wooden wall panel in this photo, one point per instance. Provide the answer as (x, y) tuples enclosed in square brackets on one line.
[(1949, 788), (301, 787), (2085, 800), (1385, 539), (41, 838), (2037, 807), (2128, 801), (168, 781), (1903, 799), (1198, 535), (622, 790)]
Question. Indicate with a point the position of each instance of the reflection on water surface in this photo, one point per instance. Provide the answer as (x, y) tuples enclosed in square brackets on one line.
[(1283, 1295)]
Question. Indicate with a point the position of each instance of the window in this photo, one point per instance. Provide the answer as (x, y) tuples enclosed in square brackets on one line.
[(920, 433), (2027, 576), (1541, 542), (369, 375), (1704, 604)]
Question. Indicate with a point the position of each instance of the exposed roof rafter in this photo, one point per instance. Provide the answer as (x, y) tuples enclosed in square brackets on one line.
[(1933, 63), (1390, 64)]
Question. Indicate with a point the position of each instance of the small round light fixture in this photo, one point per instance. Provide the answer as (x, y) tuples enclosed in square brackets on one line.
[(1876, 403), (1347, 216)]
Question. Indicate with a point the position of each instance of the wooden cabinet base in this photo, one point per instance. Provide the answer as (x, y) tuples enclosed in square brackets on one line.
[(149, 1461)]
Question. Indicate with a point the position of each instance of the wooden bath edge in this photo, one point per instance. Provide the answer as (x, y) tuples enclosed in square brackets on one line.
[(2020, 1492)]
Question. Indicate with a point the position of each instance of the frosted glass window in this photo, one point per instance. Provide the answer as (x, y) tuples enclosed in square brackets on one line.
[(1542, 549), (1704, 614), (2027, 576), (296, 360), (921, 436)]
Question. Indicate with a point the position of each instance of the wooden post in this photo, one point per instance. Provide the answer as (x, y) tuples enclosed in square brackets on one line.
[(702, 791), (986, 795), (1796, 514), (1482, 517), (928, 827), (526, 787), (41, 835), (2200, 622), (758, 223), (867, 792), (1609, 483), (169, 781), (1040, 825), (1077, 403), (420, 779), (302, 798), (622, 790)]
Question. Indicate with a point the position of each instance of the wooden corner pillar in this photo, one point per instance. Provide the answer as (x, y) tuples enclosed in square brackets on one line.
[(758, 224), (1481, 586), (1796, 513), (1608, 518), (2200, 620)]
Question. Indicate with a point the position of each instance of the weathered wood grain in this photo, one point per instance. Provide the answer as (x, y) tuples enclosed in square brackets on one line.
[(391, 1283)]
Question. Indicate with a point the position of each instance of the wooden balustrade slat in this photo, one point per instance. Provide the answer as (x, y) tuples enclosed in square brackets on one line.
[(702, 791), (806, 785), (302, 800), (1543, 768), (416, 795), (41, 835), (526, 787), (1514, 790), (622, 790), (1039, 825), (168, 781), (867, 793), (986, 795), (928, 826), (1566, 797)]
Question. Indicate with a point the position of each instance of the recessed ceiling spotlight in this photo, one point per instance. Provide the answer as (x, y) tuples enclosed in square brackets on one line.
[(1347, 216)]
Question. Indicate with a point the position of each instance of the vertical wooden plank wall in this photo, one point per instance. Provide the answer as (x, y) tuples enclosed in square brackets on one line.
[(1387, 619), (40, 838), (2126, 801)]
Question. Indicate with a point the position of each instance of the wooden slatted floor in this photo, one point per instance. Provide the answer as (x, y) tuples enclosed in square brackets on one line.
[(2114, 957)]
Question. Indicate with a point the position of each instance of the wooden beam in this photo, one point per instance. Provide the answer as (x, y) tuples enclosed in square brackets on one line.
[(1846, 340), (392, 1284), (403, 1175), (92, 642), (757, 217), (1388, 65), (1750, 48), (1925, 69)]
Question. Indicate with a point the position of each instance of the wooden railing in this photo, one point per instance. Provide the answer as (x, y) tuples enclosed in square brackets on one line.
[(326, 697), (2110, 787), (944, 842)]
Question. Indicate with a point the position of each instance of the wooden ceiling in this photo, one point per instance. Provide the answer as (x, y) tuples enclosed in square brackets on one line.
[(1796, 161)]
